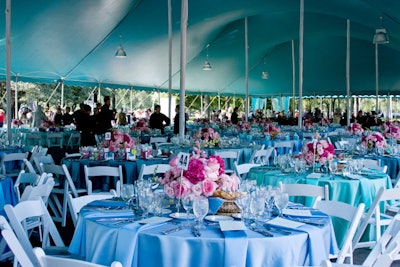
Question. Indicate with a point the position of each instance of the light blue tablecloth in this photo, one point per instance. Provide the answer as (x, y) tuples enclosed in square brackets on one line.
[(103, 242)]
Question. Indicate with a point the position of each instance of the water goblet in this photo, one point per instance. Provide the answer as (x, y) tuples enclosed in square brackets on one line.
[(145, 201), (187, 203), (333, 167), (257, 206), (281, 200), (200, 209), (127, 192)]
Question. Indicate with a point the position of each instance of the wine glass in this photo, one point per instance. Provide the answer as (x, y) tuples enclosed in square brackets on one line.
[(281, 200), (187, 203), (257, 206), (243, 202), (333, 167), (145, 201), (200, 209), (127, 193)]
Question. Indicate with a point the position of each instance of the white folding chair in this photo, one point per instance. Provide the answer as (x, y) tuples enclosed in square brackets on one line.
[(306, 190), (51, 261), (59, 210), (74, 140), (230, 157), (33, 139), (72, 155), (20, 254), (24, 179), (76, 203), (154, 140), (55, 139), (13, 158), (35, 209), (146, 170), (29, 167), (47, 159), (283, 147), (261, 156), (41, 190), (101, 172), (348, 213), (374, 164), (242, 170), (375, 217), (384, 252)]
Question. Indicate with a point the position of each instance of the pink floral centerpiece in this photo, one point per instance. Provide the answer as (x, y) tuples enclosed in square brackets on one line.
[(141, 125), (318, 151), (373, 140), (15, 123), (308, 124), (271, 130), (47, 124), (390, 130), (355, 128), (208, 135), (244, 126), (118, 141), (205, 177)]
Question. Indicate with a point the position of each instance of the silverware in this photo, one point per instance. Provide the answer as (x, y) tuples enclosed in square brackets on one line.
[(173, 230), (196, 232), (305, 221), (260, 231)]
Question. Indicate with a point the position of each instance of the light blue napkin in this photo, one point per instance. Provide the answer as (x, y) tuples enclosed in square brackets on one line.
[(235, 248), (215, 203)]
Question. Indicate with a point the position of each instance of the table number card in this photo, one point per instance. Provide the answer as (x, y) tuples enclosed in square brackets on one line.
[(183, 160)]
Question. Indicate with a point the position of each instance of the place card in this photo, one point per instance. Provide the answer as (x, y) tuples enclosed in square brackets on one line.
[(282, 222), (297, 212), (232, 225), (155, 219)]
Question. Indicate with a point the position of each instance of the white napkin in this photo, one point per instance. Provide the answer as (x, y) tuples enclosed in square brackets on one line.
[(314, 175), (154, 219), (278, 221), (232, 225), (297, 212)]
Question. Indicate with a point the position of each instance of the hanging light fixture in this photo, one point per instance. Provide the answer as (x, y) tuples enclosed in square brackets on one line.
[(207, 65), (120, 53), (381, 36), (264, 74)]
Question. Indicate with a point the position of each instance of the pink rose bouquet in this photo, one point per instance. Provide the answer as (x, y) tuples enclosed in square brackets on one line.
[(244, 126), (141, 125), (373, 140), (118, 141), (308, 124), (319, 151), (204, 176), (208, 135), (355, 128), (390, 130)]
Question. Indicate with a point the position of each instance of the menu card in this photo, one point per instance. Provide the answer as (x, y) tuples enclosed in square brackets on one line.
[(282, 222), (154, 219), (297, 212), (232, 225)]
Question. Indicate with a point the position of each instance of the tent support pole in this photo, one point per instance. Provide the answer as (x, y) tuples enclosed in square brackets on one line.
[(348, 113), (184, 19), (301, 40), (293, 76), (130, 99), (16, 98), (169, 59), (62, 93), (52, 93), (246, 50), (8, 68)]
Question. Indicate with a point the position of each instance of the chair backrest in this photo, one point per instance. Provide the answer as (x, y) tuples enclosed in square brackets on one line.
[(346, 212), (374, 164), (230, 157), (374, 212), (47, 159), (51, 261), (55, 139), (29, 167), (241, 170), (74, 140), (149, 169), (26, 210), (13, 157), (283, 146), (76, 203), (42, 190), (102, 171), (306, 190), (261, 156), (24, 179), (20, 254), (72, 155), (33, 139), (158, 139), (387, 247)]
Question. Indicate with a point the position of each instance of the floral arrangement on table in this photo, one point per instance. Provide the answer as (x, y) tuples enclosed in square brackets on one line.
[(308, 124), (271, 130), (373, 140), (47, 124), (318, 151), (244, 126), (390, 130), (141, 125), (118, 141), (208, 135), (355, 128), (202, 120), (15, 123), (205, 176)]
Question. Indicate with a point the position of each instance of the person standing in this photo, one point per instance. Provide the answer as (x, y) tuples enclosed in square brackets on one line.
[(235, 116), (87, 134), (121, 118), (58, 117), (176, 120), (106, 116), (77, 116), (38, 117), (67, 117), (158, 120)]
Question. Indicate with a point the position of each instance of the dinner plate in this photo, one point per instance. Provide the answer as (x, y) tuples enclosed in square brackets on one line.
[(181, 216), (237, 215), (218, 218)]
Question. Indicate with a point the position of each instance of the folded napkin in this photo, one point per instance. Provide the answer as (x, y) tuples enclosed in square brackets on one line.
[(236, 243), (215, 203)]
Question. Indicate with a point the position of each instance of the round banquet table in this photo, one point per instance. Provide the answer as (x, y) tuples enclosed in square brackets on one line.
[(100, 237)]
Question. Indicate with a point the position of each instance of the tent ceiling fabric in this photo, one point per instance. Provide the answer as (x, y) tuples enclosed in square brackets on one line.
[(76, 40)]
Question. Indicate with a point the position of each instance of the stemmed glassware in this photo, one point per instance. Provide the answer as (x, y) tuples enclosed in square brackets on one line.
[(257, 206), (145, 201), (200, 209), (333, 167), (127, 193), (187, 203), (281, 200)]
